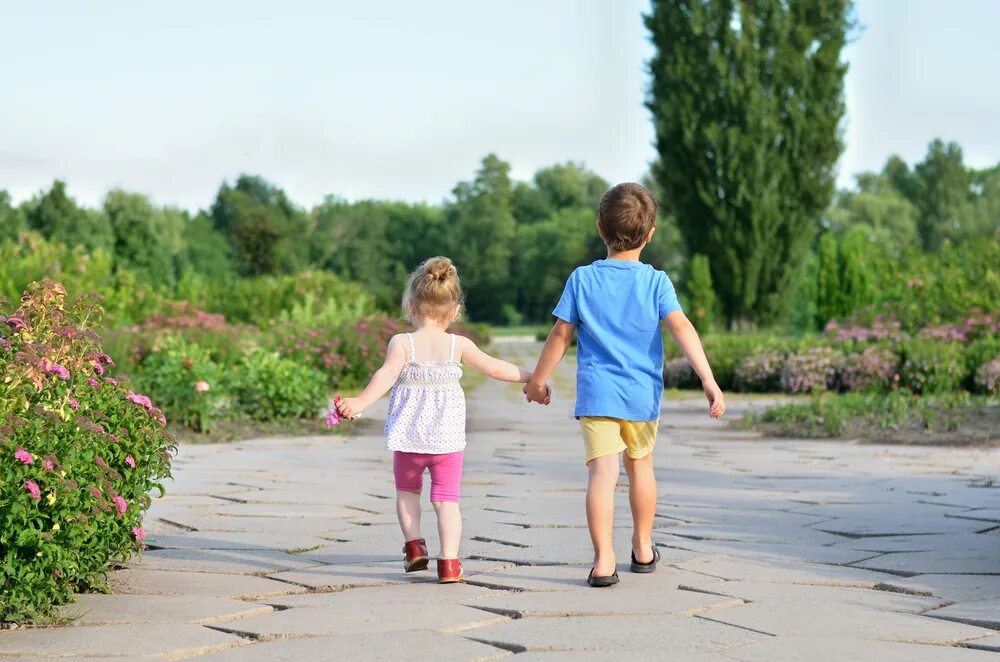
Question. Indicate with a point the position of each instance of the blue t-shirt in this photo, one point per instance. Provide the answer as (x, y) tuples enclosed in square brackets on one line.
[(616, 306)]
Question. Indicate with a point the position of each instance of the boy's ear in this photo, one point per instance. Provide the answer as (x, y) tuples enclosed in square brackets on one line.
[(649, 237), (599, 233)]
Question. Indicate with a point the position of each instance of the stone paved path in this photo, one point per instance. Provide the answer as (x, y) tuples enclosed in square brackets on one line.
[(772, 550)]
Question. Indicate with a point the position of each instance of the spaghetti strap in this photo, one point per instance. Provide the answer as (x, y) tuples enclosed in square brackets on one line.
[(413, 349), (451, 352)]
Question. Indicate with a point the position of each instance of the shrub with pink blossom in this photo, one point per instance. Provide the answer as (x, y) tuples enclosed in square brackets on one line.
[(760, 372), (65, 437), (988, 376), (810, 370), (678, 373), (931, 366), (871, 369)]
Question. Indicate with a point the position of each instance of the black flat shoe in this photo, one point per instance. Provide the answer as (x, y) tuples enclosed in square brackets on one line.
[(600, 582), (645, 567)]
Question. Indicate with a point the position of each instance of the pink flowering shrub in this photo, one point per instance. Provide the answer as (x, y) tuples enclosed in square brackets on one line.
[(988, 376), (678, 373), (873, 368), (810, 370), (760, 372), (932, 367), (69, 496)]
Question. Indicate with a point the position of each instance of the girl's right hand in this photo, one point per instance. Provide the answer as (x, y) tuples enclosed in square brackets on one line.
[(349, 407)]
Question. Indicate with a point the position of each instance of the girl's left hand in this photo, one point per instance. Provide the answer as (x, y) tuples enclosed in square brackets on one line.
[(349, 407)]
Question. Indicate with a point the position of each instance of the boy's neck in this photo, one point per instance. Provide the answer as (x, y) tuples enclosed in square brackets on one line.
[(625, 256)]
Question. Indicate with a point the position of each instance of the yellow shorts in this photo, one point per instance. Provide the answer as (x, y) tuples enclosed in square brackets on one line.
[(609, 436)]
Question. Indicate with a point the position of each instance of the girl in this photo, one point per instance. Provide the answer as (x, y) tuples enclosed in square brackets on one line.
[(425, 427)]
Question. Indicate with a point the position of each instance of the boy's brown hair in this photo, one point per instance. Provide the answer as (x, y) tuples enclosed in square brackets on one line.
[(625, 216)]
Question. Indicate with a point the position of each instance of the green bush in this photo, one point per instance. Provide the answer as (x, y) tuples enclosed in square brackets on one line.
[(933, 367), (184, 379), (79, 454), (310, 295), (268, 387)]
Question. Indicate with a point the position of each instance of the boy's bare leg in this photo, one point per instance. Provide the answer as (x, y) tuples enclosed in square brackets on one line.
[(408, 512), (601, 511), (642, 499), (449, 527)]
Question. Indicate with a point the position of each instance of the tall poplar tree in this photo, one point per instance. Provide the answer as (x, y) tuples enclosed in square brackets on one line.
[(747, 98)]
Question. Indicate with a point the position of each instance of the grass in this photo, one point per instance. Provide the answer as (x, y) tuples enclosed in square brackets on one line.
[(896, 417)]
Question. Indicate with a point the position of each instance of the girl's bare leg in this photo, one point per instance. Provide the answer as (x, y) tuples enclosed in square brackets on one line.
[(449, 517), (408, 512)]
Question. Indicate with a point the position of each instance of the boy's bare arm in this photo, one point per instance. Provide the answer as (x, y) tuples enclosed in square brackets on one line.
[(686, 337), (553, 351)]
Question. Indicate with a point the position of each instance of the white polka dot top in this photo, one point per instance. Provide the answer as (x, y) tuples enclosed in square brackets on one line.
[(427, 406)]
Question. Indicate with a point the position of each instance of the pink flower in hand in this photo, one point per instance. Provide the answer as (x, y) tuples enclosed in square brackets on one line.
[(24, 456), (332, 417)]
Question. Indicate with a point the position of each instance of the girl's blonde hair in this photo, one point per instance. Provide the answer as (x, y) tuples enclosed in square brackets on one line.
[(433, 291)]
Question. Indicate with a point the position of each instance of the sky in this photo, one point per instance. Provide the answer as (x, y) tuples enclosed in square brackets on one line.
[(401, 100)]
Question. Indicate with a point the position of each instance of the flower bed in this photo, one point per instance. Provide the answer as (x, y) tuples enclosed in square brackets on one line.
[(79, 454)]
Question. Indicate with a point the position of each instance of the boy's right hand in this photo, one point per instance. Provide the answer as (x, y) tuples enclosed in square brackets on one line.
[(716, 401), (535, 393)]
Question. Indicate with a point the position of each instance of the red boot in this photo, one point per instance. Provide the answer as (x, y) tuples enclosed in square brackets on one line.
[(449, 571), (416, 555)]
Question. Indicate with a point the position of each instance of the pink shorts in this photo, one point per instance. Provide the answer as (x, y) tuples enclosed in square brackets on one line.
[(446, 473)]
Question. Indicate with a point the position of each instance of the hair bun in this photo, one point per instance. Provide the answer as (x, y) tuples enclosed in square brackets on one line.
[(440, 268)]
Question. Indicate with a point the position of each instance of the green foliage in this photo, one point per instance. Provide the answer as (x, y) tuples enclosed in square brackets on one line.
[(79, 455), (146, 239), (206, 251), (867, 414), (263, 300), (545, 253), (481, 230), (829, 290), (57, 217), (184, 380), (700, 295), (747, 102), (268, 387), (930, 366), (857, 289), (927, 289), (266, 230), (942, 192), (12, 221)]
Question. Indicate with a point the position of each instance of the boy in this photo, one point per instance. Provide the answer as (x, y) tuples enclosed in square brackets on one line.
[(617, 305)]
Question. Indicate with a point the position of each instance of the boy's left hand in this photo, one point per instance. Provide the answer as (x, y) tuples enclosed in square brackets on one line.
[(716, 401), (349, 407)]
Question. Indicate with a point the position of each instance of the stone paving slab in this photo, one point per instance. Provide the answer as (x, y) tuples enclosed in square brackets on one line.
[(841, 620), (389, 647), (195, 585), (772, 549), (830, 649), (622, 634), (96, 609), (984, 613), (344, 620), (122, 640)]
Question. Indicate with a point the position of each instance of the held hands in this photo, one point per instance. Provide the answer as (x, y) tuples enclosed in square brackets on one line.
[(716, 401), (535, 393)]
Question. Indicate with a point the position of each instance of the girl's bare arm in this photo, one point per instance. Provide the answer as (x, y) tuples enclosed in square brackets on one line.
[(380, 383)]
